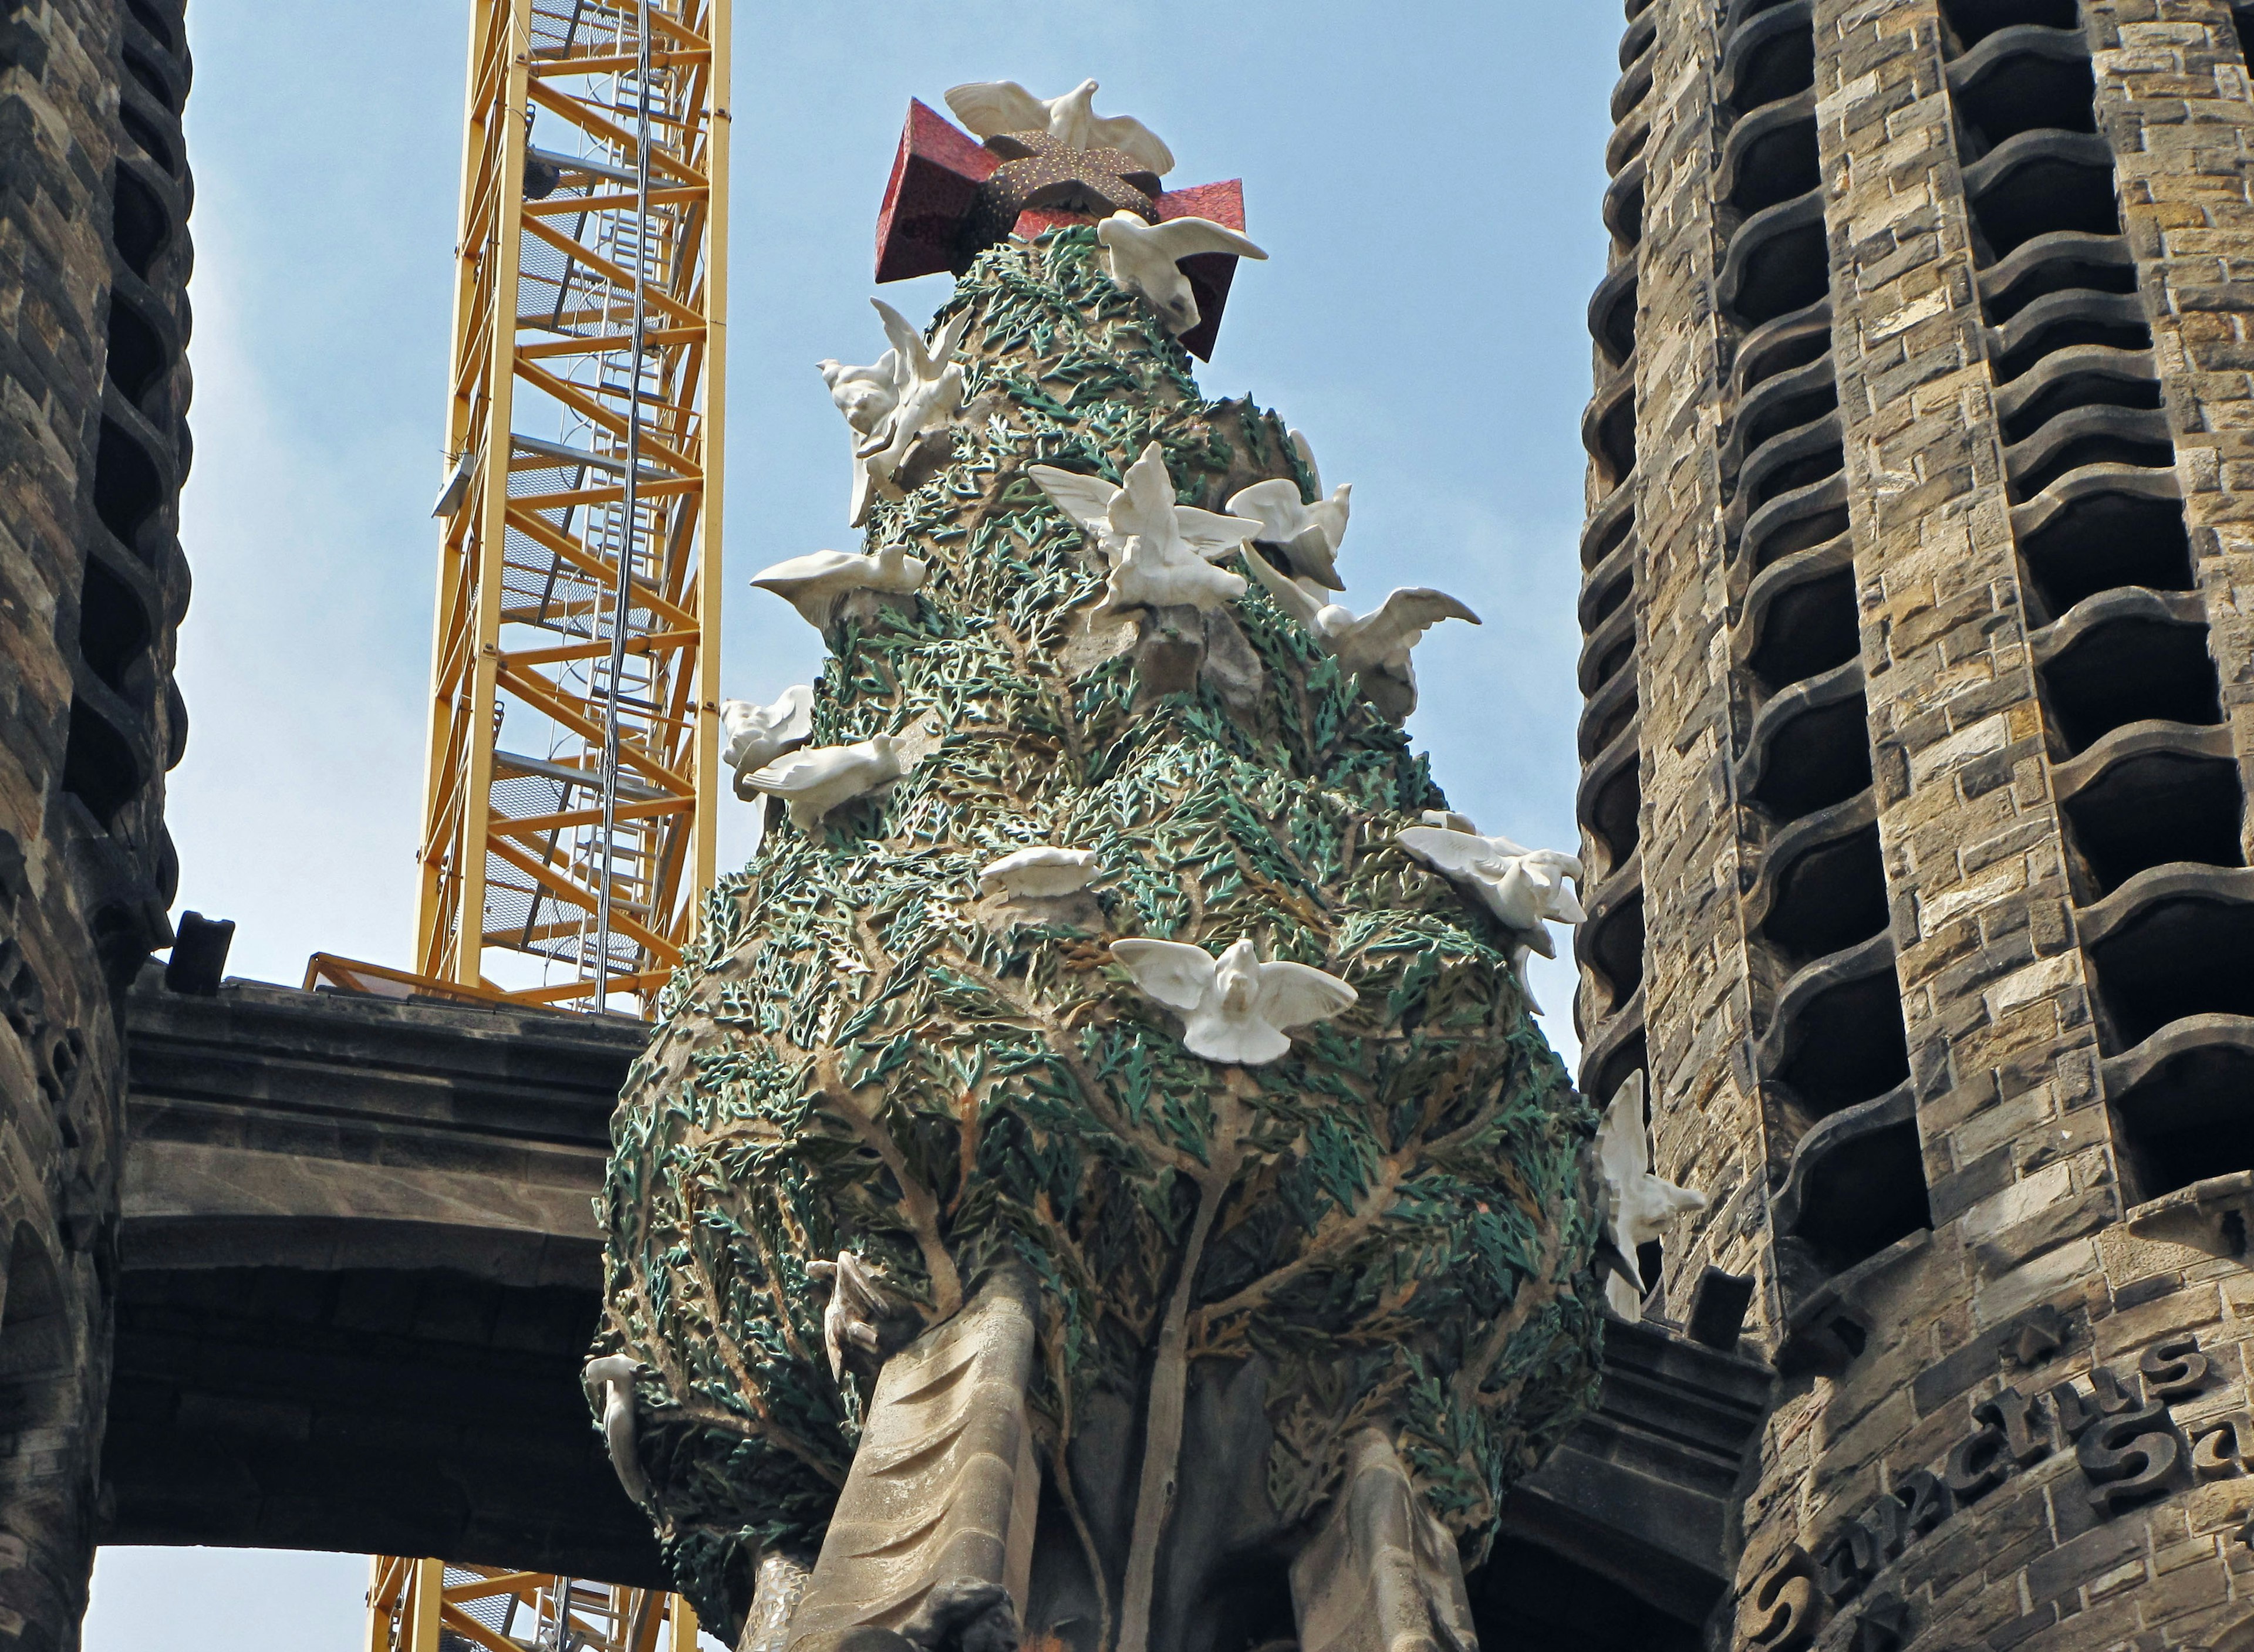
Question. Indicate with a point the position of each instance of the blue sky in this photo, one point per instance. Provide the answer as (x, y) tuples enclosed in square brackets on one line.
[(1425, 180)]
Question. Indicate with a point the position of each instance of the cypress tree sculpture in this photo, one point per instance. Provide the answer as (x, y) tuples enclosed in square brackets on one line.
[(931, 1237)]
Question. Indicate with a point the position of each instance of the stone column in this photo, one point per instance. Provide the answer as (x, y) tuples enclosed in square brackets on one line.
[(2174, 102), (1699, 985)]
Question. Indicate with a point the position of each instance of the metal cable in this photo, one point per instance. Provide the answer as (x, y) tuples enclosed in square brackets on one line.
[(623, 608)]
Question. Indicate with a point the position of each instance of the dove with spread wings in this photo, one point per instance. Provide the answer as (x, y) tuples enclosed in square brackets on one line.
[(818, 582), (1161, 553), (1145, 260), (1374, 646), (1306, 535), (1234, 1008), (914, 389), (1638, 1204), (1525, 888), (815, 780), (758, 734), (991, 109)]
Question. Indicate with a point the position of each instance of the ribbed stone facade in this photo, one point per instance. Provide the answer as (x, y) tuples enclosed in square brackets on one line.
[(93, 391), (1929, 521)]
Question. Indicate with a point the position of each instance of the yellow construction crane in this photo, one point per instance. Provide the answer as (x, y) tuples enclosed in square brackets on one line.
[(568, 811), (570, 805), (427, 1606)]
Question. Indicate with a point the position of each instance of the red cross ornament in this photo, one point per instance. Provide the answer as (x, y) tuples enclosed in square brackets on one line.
[(948, 192)]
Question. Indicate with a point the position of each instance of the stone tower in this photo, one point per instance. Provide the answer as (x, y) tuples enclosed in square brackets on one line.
[(1919, 704), (93, 393)]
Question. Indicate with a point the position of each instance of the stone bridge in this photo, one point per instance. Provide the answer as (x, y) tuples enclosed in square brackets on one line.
[(361, 1269)]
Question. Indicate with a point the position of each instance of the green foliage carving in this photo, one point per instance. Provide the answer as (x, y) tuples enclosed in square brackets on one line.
[(859, 1053)]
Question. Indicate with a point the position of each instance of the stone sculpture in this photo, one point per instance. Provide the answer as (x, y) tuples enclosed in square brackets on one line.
[(1039, 874), (1375, 647), (856, 1303), (1307, 536), (983, 1293), (1526, 888), (816, 584), (997, 109), (1145, 260), (758, 734), (895, 408), (814, 782), (1234, 1008), (1161, 553), (609, 1379), (1638, 1205)]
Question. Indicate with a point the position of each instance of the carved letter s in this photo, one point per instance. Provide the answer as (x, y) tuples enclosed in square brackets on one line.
[(2130, 1457), (1784, 1611)]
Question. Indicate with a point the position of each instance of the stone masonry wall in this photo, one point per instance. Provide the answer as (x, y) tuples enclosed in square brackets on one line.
[(1707, 1125), (94, 260), (2174, 100), (2045, 1442)]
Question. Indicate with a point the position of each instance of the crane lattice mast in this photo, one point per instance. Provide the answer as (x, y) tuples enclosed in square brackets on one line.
[(569, 805)]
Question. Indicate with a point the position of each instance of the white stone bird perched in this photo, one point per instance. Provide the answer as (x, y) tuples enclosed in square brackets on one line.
[(911, 391), (992, 107), (1234, 1008), (758, 734), (1638, 1205), (1307, 535), (610, 1381), (815, 781), (1374, 646), (1144, 259), (1526, 888), (857, 1302), (815, 585), (1040, 873), (1160, 552)]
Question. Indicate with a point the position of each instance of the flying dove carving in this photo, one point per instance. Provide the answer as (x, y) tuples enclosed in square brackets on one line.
[(1161, 553), (815, 584), (991, 109), (1308, 536), (1145, 260), (1039, 873), (610, 1381), (1638, 1205), (913, 390), (1525, 888), (814, 781), (758, 734), (857, 1302), (1375, 646), (1234, 1008)]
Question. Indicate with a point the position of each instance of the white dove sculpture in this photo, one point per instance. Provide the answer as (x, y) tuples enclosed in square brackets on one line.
[(815, 780), (856, 1302), (1526, 888), (1160, 552), (815, 584), (1638, 1205), (1039, 873), (1144, 259), (865, 395), (1374, 646), (992, 107), (913, 389), (1307, 535), (1234, 1008), (758, 734), (611, 1378)]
